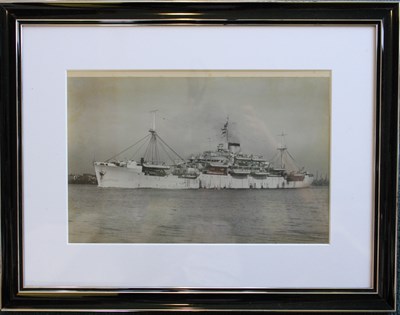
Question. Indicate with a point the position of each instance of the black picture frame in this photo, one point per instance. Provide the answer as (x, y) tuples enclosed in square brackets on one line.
[(382, 297)]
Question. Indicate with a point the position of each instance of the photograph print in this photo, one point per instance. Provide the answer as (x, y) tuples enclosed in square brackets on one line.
[(197, 157)]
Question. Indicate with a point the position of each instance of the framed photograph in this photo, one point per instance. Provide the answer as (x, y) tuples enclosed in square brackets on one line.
[(199, 156)]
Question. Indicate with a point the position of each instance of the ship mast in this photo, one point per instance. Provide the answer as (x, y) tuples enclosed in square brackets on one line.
[(282, 148), (153, 129), (155, 146), (152, 152), (152, 149)]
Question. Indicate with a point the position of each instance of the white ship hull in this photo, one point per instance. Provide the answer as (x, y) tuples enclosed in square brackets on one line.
[(124, 177)]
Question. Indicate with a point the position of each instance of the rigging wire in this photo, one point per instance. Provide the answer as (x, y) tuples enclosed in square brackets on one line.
[(127, 148), (275, 157), (170, 148), (152, 151), (156, 151), (149, 147), (166, 152), (294, 161), (138, 150)]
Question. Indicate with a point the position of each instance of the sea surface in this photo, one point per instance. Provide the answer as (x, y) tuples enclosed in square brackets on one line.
[(118, 215)]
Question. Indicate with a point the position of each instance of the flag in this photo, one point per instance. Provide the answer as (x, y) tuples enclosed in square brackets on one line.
[(225, 129)]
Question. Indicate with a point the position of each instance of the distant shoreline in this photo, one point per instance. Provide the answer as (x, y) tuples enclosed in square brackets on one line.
[(86, 179)]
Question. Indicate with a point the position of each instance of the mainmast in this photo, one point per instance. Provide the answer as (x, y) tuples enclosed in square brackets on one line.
[(282, 148)]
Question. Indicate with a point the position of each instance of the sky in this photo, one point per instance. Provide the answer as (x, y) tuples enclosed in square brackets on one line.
[(107, 114)]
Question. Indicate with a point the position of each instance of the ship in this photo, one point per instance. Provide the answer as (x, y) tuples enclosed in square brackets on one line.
[(226, 167)]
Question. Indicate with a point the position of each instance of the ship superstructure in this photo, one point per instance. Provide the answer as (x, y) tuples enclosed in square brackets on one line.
[(227, 167)]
